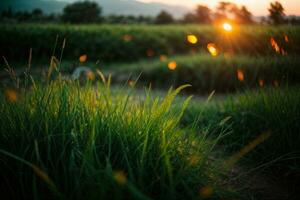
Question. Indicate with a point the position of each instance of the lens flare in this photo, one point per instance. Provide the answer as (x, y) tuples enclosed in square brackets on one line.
[(227, 27), (212, 48), (286, 38), (172, 65), (83, 58), (240, 75), (11, 95), (274, 45), (192, 39)]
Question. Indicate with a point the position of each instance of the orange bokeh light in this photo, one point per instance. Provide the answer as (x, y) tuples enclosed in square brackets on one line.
[(240, 75), (172, 65), (192, 39), (83, 58), (212, 48)]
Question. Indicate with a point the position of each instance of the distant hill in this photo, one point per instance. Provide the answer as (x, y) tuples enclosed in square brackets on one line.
[(48, 6), (125, 7)]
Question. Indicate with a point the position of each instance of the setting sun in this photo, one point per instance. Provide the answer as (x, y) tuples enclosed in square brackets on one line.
[(227, 27)]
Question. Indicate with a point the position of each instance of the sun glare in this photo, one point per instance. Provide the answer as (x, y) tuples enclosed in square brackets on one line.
[(227, 27)]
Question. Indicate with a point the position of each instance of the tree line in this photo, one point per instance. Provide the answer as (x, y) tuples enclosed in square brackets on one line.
[(91, 12)]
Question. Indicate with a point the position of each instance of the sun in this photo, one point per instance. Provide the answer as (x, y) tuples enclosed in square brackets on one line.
[(227, 27)]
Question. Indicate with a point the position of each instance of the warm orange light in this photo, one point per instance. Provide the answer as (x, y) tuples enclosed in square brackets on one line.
[(206, 192), (11, 95), (286, 38), (261, 83), (212, 48), (227, 27), (172, 65), (90, 75), (120, 177), (192, 39), (163, 58), (240, 75), (83, 58), (274, 45)]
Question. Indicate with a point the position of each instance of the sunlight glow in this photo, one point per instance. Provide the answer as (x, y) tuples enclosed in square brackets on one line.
[(274, 45), (192, 39), (227, 27), (212, 48)]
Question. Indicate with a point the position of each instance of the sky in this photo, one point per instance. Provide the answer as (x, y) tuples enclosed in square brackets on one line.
[(257, 7)]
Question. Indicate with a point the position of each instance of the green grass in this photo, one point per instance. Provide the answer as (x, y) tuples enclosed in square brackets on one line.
[(106, 42), (206, 73), (64, 141), (246, 116)]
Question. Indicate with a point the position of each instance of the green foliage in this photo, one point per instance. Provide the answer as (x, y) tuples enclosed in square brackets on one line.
[(206, 73), (107, 43), (276, 11), (64, 141), (81, 12), (251, 114), (164, 18), (202, 15)]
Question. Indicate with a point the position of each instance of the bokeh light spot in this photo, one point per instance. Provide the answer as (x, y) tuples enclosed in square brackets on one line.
[(192, 39), (172, 65), (212, 48), (83, 58), (240, 75)]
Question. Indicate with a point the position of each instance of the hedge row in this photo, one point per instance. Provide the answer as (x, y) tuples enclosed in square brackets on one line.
[(130, 43)]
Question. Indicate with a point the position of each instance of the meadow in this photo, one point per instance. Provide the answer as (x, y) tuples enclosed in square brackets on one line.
[(128, 128), (112, 43)]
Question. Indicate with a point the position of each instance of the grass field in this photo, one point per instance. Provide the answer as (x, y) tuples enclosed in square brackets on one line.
[(111, 43), (71, 141), (74, 142), (205, 74), (119, 132)]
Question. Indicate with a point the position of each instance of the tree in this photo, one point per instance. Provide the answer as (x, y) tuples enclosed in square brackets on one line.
[(164, 18), (224, 10), (189, 18), (276, 13), (37, 15), (203, 14), (82, 12), (242, 15)]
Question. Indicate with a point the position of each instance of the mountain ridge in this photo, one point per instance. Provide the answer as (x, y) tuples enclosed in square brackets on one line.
[(117, 7)]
